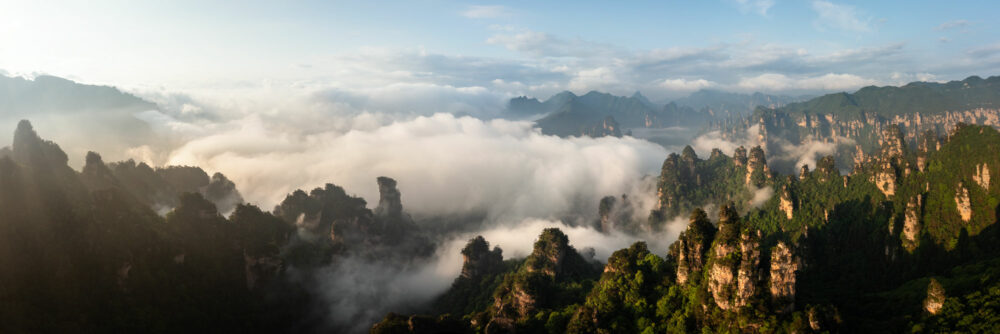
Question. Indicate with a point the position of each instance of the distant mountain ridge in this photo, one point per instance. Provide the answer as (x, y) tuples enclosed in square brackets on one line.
[(89, 116), (567, 114), (915, 97), (732, 104), (857, 123)]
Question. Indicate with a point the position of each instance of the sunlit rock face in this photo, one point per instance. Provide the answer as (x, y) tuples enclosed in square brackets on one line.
[(748, 274), (722, 271), (692, 246), (785, 203), (962, 203), (982, 176), (911, 224), (783, 271), (934, 301)]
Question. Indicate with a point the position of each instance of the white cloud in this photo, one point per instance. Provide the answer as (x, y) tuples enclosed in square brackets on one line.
[(841, 17), (444, 164), (757, 6), (952, 24), (772, 82), (540, 44), (595, 79), (685, 85), (486, 12)]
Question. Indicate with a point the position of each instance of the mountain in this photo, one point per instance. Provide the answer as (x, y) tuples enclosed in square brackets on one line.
[(827, 253), (85, 251), (726, 104), (92, 117), (567, 114), (855, 123)]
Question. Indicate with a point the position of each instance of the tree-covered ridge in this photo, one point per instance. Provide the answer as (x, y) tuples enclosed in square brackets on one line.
[(916, 97)]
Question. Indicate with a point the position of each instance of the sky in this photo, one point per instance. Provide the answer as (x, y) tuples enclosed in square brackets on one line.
[(454, 50)]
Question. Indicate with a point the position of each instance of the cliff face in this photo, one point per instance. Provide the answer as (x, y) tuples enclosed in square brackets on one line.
[(341, 224), (615, 214), (855, 122), (935, 297), (757, 170), (539, 283), (390, 204), (606, 127), (725, 261), (962, 203), (687, 182), (891, 163), (479, 260), (783, 272), (692, 246), (911, 224), (785, 203)]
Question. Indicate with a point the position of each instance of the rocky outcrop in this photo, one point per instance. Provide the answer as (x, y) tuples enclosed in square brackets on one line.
[(786, 204), (982, 176), (927, 143), (692, 245), (962, 203), (552, 261), (606, 127), (890, 164), (748, 274), (740, 156), (614, 213), (911, 224), (96, 175), (479, 260), (935, 297), (723, 267), (757, 170), (885, 180), (31, 150), (551, 255), (804, 172), (389, 203), (221, 191), (782, 274)]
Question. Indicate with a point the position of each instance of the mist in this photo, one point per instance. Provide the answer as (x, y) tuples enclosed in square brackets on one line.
[(444, 164)]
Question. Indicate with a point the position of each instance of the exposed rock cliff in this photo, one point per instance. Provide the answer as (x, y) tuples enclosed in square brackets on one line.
[(390, 205), (757, 170), (935, 297), (479, 260), (962, 203), (723, 266), (783, 272), (982, 176), (786, 204), (911, 224), (692, 246)]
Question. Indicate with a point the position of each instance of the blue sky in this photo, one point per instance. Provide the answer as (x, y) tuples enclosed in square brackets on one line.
[(663, 48)]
